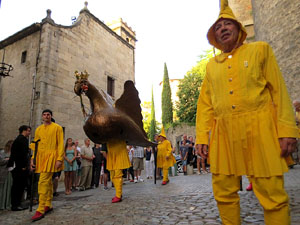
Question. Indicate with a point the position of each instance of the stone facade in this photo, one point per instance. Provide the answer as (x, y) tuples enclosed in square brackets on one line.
[(242, 9), (122, 29), (278, 23), (15, 92), (53, 53)]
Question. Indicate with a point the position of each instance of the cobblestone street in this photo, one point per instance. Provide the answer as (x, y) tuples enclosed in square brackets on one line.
[(185, 200)]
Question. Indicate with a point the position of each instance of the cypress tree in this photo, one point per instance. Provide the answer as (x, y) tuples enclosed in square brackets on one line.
[(152, 129), (166, 100)]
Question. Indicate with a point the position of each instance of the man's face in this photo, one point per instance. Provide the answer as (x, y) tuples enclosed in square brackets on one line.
[(226, 32), (184, 137), (27, 132), (46, 117), (87, 142), (297, 106), (160, 138)]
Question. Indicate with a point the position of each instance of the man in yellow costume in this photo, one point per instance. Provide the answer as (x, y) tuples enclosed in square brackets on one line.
[(165, 158), (49, 159), (117, 160), (245, 115)]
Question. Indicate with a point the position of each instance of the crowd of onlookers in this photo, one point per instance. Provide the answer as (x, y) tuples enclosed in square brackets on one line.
[(85, 166), (189, 156)]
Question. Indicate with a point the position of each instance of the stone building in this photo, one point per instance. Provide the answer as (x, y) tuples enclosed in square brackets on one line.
[(278, 23), (45, 56), (242, 9)]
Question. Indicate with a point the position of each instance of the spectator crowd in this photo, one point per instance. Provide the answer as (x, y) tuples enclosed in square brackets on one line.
[(85, 166)]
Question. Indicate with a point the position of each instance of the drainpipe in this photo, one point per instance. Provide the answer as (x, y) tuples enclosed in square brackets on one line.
[(33, 95), (32, 98)]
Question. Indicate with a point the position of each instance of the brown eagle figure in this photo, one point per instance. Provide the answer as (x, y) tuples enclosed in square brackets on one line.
[(121, 121)]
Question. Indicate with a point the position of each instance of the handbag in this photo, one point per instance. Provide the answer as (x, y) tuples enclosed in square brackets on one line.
[(152, 157)]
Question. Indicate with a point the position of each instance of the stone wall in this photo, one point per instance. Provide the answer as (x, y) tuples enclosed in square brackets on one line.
[(242, 9), (174, 134), (15, 91), (86, 45), (278, 23)]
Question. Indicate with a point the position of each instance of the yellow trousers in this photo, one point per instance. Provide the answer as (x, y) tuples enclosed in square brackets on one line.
[(45, 190), (165, 174), (269, 191), (117, 179)]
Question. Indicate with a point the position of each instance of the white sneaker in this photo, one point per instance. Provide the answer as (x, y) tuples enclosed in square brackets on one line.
[(198, 173), (141, 180), (203, 171), (135, 180)]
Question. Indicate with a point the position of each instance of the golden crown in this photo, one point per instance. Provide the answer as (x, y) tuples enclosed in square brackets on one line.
[(83, 75)]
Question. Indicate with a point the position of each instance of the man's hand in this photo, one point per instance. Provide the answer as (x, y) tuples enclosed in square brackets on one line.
[(32, 166), (202, 150), (287, 145), (58, 164)]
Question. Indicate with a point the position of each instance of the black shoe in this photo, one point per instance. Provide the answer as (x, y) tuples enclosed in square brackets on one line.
[(19, 208), (55, 194), (82, 189), (25, 207)]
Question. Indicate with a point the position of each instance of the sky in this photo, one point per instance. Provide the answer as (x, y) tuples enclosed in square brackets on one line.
[(168, 31)]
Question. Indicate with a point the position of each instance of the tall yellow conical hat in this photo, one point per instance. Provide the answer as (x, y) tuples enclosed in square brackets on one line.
[(162, 133), (225, 13)]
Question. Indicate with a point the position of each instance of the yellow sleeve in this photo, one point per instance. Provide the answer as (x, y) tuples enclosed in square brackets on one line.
[(204, 117), (168, 149), (60, 144), (285, 119)]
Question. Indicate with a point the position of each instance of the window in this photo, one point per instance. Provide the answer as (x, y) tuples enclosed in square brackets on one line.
[(23, 57), (111, 86)]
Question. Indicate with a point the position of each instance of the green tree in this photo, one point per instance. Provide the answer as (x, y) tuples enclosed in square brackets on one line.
[(147, 119), (152, 129), (166, 100), (146, 106), (189, 89)]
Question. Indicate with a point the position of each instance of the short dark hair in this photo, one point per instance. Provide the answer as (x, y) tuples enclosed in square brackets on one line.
[(47, 110), (23, 127)]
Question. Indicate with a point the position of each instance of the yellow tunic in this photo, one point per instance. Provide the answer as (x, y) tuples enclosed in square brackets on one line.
[(245, 104), (165, 149), (117, 155), (50, 148)]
